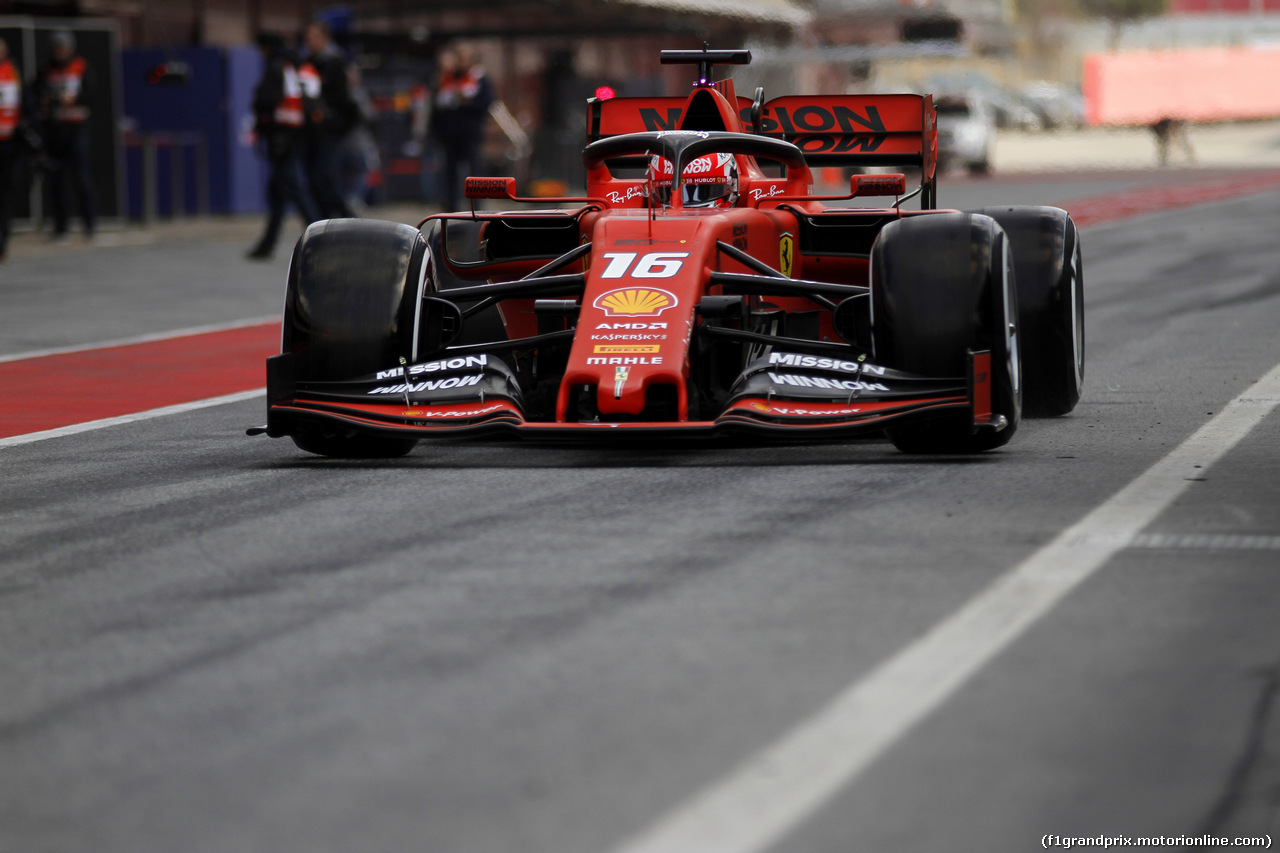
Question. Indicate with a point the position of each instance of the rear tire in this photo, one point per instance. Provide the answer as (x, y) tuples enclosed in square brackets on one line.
[(1048, 267), (349, 311), (942, 285)]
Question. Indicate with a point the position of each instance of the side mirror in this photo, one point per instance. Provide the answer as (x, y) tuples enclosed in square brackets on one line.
[(474, 188), (867, 185)]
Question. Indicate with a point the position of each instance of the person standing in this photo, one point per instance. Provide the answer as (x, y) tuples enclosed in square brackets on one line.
[(332, 113), (10, 120), (1170, 132), (62, 93), (462, 100), (279, 117)]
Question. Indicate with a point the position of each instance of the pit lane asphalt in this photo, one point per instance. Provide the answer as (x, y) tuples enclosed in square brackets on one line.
[(210, 642)]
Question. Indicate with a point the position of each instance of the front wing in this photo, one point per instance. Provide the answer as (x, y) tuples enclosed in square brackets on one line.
[(764, 402)]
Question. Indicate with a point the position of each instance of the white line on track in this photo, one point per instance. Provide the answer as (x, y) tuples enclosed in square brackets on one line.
[(128, 419), (778, 788), (143, 339), (1207, 542)]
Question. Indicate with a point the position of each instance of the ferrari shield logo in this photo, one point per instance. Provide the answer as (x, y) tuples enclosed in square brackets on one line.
[(786, 253)]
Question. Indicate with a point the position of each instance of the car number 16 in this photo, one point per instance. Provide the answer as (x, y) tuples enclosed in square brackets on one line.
[(651, 265)]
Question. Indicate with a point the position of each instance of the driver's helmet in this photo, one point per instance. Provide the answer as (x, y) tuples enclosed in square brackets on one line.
[(710, 181)]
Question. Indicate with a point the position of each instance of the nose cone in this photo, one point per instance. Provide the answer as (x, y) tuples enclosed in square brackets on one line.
[(637, 317)]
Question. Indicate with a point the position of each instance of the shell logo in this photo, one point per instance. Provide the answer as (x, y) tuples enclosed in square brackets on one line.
[(635, 302)]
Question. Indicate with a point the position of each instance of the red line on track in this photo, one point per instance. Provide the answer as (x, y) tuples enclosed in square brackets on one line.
[(1148, 198), (47, 392), (51, 391)]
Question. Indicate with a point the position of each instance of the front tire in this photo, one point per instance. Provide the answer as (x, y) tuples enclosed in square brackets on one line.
[(942, 286), (349, 311)]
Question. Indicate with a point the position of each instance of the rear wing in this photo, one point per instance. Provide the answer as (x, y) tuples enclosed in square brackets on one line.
[(831, 130), (856, 130), (617, 116)]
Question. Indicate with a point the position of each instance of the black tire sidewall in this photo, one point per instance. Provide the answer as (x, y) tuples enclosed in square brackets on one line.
[(352, 298), (350, 309), (942, 285), (1049, 271)]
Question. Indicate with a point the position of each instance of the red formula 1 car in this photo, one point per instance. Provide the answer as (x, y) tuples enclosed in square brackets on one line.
[(698, 288)]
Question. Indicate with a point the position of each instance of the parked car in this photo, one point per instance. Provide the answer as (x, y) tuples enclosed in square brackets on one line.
[(1060, 107), (966, 132), (1009, 108)]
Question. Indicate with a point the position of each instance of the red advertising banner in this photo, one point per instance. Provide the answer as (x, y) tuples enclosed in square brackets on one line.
[(1202, 84)]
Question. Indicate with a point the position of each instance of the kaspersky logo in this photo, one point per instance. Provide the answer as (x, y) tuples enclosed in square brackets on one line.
[(636, 302)]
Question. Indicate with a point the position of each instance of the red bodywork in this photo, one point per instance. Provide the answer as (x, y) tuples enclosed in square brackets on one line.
[(649, 270)]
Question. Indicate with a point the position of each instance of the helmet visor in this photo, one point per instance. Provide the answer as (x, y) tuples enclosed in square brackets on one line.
[(703, 192), (707, 181)]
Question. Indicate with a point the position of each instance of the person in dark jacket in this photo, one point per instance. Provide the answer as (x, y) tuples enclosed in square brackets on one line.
[(463, 96), (332, 114), (63, 92), (279, 119)]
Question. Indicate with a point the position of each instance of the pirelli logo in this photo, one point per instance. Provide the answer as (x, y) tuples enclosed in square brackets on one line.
[(638, 349)]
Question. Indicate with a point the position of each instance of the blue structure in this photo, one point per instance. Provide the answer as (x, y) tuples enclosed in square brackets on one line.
[(181, 100)]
